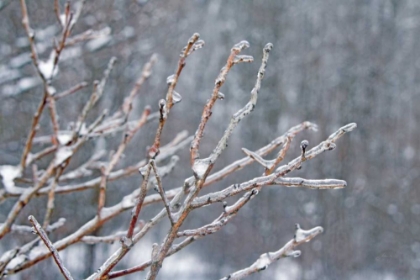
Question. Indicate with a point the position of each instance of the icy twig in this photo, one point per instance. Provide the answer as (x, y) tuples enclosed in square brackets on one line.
[(161, 192), (279, 172), (165, 105), (51, 197), (109, 238), (220, 80), (312, 184), (228, 213), (38, 229), (145, 74), (98, 90), (71, 90), (20, 229), (269, 258)]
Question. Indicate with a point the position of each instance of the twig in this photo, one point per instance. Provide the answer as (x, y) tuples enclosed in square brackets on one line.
[(166, 105), (268, 258), (312, 184), (220, 80), (71, 90), (50, 247), (161, 192), (279, 172)]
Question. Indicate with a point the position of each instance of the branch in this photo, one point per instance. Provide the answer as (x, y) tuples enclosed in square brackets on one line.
[(50, 247), (220, 80), (161, 192), (268, 258)]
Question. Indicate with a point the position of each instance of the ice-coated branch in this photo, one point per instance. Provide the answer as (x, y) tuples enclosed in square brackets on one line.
[(165, 105), (38, 229), (248, 108), (220, 80), (312, 184), (279, 172), (269, 258), (162, 193)]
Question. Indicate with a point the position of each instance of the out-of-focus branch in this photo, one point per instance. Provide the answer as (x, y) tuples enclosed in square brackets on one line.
[(268, 258)]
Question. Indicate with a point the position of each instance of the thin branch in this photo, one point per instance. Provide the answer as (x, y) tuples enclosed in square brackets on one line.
[(312, 184), (220, 80), (166, 105), (279, 172), (162, 192), (50, 247), (269, 258), (71, 90)]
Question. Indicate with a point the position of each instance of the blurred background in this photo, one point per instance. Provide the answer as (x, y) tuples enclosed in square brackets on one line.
[(333, 62)]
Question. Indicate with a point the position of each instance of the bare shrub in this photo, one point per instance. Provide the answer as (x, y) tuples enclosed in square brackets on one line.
[(159, 161)]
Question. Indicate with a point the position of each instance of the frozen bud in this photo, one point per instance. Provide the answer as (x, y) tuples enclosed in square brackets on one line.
[(268, 47), (241, 46), (304, 144)]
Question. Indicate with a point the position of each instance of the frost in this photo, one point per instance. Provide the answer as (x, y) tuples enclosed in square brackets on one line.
[(16, 262), (200, 167), (127, 202), (170, 79), (62, 155), (176, 97), (263, 261), (220, 96), (64, 137), (47, 67), (9, 173)]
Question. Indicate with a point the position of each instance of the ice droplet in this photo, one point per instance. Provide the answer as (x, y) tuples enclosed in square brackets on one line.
[(170, 79), (176, 97)]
